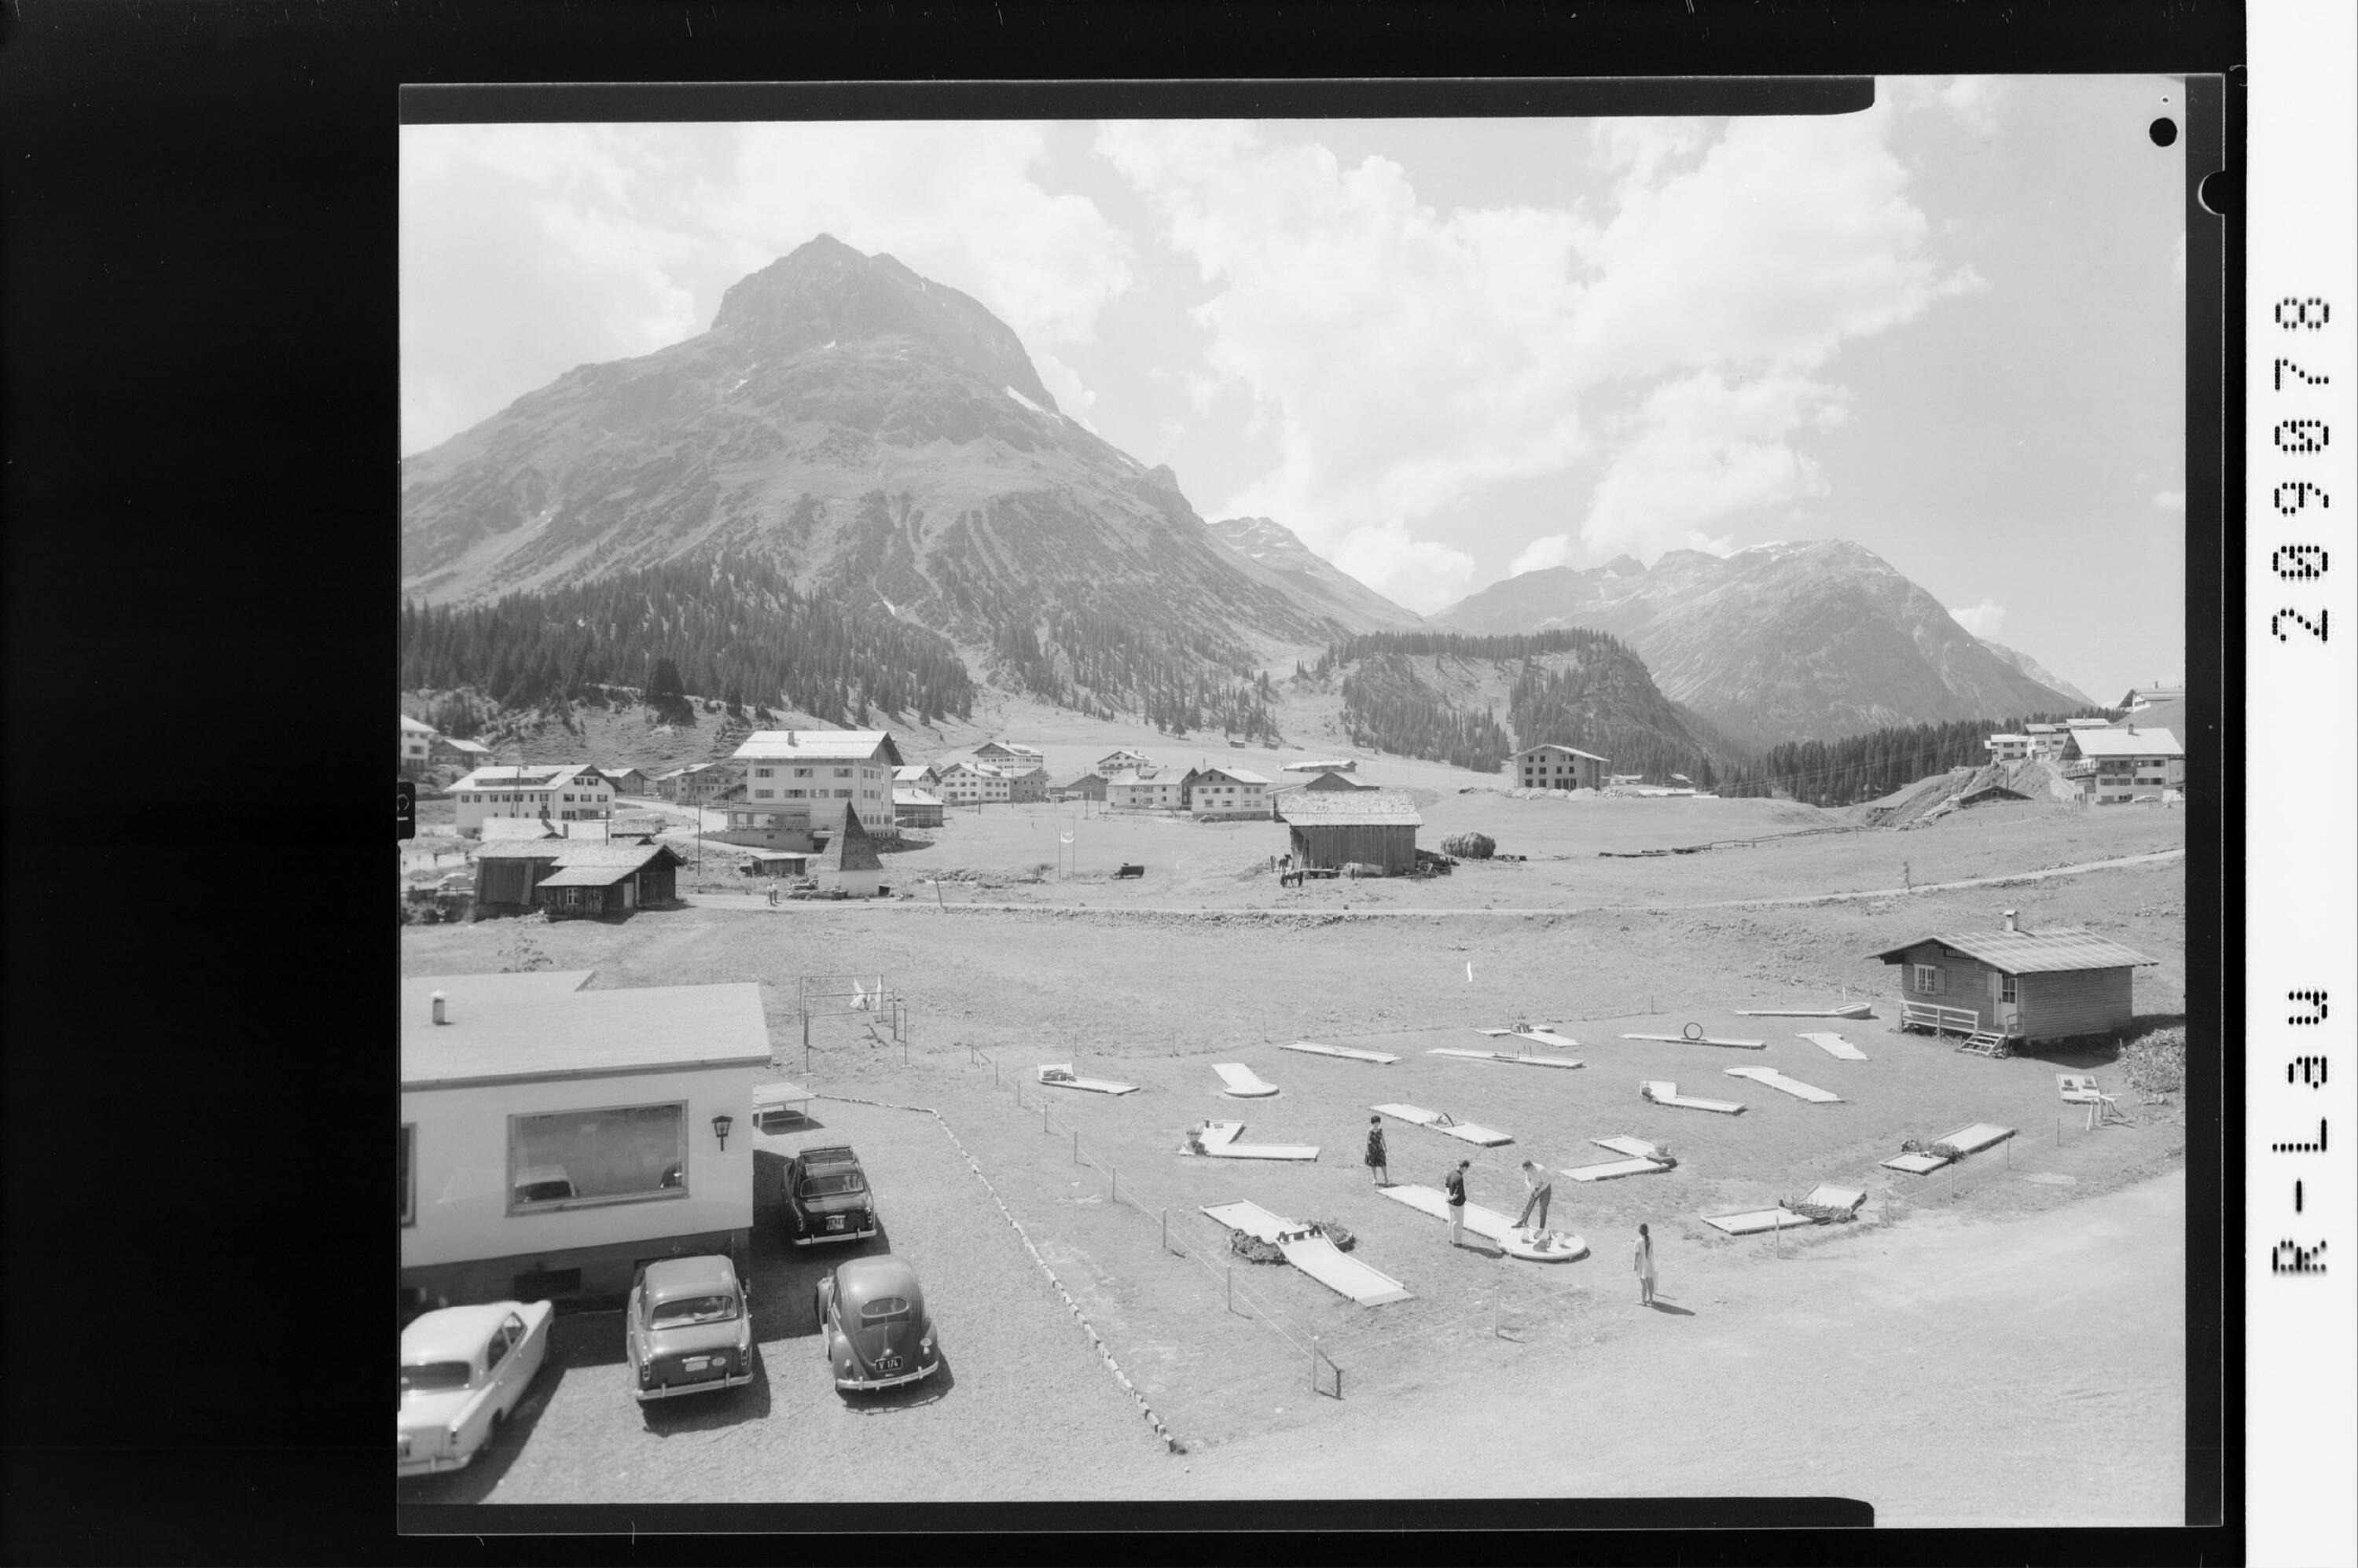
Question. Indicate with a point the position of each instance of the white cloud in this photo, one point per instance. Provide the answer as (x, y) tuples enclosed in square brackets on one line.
[(1986, 618), (1418, 573), (1547, 551), (528, 249), (1704, 449), (2169, 500), (1402, 357)]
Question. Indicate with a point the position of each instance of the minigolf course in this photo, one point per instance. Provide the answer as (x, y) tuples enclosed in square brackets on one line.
[(1661, 1091), (1772, 1078), (1834, 1045), (1533, 1031), (1849, 1009), (1220, 1141), (1966, 1140), (1241, 1082), (1638, 1158), (1308, 1249), (1441, 1122), (1694, 1035), (1505, 1056), (1547, 1247), (1751, 1222), (1060, 1076), (1312, 1047)]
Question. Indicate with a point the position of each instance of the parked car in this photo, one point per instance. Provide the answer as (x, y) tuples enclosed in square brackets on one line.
[(543, 1184), (463, 1371), (827, 1197), (689, 1327), (873, 1327)]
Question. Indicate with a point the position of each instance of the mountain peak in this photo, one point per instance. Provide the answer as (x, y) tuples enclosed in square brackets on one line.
[(825, 292)]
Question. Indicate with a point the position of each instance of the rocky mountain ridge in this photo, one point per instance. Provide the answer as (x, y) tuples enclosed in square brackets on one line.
[(1789, 641), (887, 442)]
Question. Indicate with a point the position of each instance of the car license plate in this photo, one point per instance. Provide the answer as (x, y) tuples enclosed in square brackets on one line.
[(835, 1222), (888, 1363), (696, 1363)]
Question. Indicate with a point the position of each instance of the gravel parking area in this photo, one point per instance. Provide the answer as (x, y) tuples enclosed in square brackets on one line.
[(1024, 1407)]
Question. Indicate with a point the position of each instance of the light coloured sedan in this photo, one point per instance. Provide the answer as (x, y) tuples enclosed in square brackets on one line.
[(689, 1328), (464, 1369)]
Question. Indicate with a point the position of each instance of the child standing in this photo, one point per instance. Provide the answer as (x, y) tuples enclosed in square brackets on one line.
[(1379, 1162), (1645, 1265)]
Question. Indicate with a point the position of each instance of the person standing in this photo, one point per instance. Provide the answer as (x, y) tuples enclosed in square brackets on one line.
[(1455, 1184), (1537, 1190), (1644, 1261), (1379, 1162)]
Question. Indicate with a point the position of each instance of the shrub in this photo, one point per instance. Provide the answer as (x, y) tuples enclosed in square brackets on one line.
[(1253, 1250), (2155, 1062), (1470, 846), (1822, 1213), (1342, 1239)]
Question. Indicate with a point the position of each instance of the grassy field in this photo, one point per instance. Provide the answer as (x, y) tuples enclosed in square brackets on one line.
[(1208, 961)]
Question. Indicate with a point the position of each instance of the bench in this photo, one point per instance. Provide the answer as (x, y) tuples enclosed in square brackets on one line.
[(1131, 870)]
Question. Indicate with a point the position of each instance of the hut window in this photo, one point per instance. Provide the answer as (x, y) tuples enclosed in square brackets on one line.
[(588, 1156), (2006, 988), (1928, 979)]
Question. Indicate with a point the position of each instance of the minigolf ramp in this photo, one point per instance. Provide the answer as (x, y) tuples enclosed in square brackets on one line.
[(1314, 1255), (1240, 1082), (1312, 1047), (1488, 1223), (1769, 1077), (1441, 1121), (1834, 1045), (1661, 1091)]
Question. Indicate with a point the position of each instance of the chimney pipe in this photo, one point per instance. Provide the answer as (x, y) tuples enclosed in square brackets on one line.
[(2011, 925), (439, 1016)]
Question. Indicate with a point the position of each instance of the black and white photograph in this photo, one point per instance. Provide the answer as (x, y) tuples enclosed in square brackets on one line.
[(1202, 810)]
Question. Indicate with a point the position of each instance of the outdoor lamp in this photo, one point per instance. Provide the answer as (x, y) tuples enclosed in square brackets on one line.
[(720, 1126)]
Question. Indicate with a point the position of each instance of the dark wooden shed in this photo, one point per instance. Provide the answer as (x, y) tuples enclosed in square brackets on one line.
[(1337, 828), (570, 880), (2015, 983)]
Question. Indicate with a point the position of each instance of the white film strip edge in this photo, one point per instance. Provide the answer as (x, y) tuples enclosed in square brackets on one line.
[(2301, 678)]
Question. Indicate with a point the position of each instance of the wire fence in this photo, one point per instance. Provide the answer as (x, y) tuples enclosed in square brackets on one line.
[(1144, 1199)]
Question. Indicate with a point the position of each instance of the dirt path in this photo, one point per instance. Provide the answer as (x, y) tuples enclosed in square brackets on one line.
[(742, 901), (1948, 1372)]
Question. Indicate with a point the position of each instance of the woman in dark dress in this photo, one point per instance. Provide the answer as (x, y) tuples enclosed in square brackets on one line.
[(1378, 1164)]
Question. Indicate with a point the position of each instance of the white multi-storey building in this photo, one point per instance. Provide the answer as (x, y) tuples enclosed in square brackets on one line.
[(800, 782), (547, 793)]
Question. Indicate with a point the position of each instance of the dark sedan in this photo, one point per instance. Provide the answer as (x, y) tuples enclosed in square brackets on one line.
[(827, 1197), (873, 1327)]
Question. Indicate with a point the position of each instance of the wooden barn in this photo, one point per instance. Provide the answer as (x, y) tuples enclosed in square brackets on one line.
[(1088, 787), (1337, 828), (2015, 984), (573, 880)]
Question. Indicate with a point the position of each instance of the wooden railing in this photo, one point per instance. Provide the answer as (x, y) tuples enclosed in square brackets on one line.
[(1938, 1018)]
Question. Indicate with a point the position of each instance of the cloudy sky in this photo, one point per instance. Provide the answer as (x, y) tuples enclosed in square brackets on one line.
[(1445, 350)]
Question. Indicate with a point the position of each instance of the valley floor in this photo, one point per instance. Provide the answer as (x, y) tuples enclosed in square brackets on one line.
[(1998, 1343)]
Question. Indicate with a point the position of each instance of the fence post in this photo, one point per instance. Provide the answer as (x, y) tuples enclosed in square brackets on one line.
[(1313, 1363), (1115, 1172), (1166, 1229), (1232, 1287), (1076, 1146)]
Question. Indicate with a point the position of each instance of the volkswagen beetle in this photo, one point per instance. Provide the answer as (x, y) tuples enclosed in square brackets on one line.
[(873, 1327), (463, 1371), (689, 1328)]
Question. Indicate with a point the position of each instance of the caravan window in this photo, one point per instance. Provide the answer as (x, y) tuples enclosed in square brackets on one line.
[(613, 1155)]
